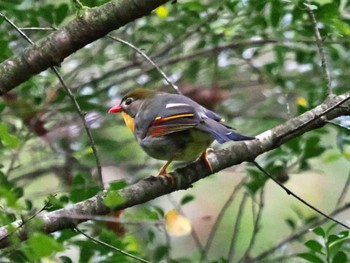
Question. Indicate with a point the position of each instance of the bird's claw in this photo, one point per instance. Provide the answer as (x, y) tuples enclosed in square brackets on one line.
[(204, 157), (163, 172), (169, 177)]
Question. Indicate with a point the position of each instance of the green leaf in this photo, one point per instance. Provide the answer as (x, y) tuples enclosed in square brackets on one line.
[(153, 213), (195, 6), (160, 253), (290, 222), (46, 12), (9, 196), (18, 257), (319, 231), (66, 234), (117, 185), (314, 245), (256, 182), (7, 139), (54, 202), (231, 5), (340, 257), (61, 13), (186, 199), (86, 252), (330, 228), (41, 245), (5, 51), (159, 211), (312, 7), (322, 2), (332, 156), (151, 236), (310, 257), (276, 12), (342, 27), (312, 148), (113, 199), (335, 242), (84, 186), (65, 259), (2, 105)]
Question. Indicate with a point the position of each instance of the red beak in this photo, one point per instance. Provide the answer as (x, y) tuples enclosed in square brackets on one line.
[(115, 109)]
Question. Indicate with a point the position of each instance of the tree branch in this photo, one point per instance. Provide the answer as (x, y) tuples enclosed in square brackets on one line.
[(198, 54), (320, 47), (53, 49), (153, 187)]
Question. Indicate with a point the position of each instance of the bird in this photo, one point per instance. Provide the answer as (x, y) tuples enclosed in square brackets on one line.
[(173, 127)]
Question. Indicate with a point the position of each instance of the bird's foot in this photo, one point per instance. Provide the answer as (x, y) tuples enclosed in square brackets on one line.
[(163, 172), (204, 157), (169, 177)]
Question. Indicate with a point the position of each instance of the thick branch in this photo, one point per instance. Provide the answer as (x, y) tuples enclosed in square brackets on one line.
[(52, 50), (154, 187)]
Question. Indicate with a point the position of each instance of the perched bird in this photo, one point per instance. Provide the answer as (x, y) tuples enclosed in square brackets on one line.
[(173, 127)]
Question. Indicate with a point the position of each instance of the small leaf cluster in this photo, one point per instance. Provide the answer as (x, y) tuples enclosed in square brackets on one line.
[(329, 247)]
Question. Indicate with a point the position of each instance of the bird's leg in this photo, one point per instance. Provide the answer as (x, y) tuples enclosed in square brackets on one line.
[(162, 171), (204, 157)]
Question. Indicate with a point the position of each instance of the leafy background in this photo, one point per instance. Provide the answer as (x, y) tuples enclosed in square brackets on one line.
[(254, 62)]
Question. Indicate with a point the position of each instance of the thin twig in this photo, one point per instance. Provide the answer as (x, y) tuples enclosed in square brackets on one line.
[(15, 156), (70, 94), (148, 59), (289, 192), (187, 34), (297, 235), (317, 116), (38, 28), (256, 227), (87, 129), (220, 217), (198, 54), (111, 219), (319, 42), (233, 244), (159, 54), (17, 29), (25, 221), (344, 191), (110, 246)]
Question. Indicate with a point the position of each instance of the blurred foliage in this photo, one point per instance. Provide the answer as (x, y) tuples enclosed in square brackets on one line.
[(331, 247), (255, 62)]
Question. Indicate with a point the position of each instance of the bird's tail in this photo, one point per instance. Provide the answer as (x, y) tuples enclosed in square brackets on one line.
[(222, 133)]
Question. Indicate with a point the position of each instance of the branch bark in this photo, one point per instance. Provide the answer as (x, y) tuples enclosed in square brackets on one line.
[(53, 49), (153, 187)]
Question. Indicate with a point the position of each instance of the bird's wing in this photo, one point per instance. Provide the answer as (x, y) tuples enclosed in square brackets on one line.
[(221, 132), (174, 117), (178, 113)]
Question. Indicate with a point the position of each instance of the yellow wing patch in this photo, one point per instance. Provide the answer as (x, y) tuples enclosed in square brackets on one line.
[(174, 117)]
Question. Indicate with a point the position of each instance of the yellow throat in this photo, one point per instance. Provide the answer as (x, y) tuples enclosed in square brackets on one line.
[(129, 121)]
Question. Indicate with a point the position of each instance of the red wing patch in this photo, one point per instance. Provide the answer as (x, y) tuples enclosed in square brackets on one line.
[(162, 130), (158, 131), (170, 124)]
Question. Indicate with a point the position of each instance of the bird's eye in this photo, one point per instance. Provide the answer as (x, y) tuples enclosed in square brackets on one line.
[(128, 101)]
